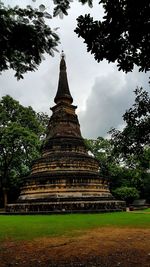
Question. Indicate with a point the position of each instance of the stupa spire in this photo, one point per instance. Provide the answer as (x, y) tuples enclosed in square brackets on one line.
[(63, 92)]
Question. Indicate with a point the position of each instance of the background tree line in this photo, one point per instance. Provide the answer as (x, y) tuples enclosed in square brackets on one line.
[(21, 133)]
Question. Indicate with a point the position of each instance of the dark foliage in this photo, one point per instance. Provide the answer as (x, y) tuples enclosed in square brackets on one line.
[(24, 38), (134, 140), (127, 194), (123, 35), (25, 35), (21, 130)]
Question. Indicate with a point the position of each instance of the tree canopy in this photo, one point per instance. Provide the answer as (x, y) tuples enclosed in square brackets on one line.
[(123, 35), (21, 129), (102, 148), (25, 35), (134, 140), (132, 144), (24, 38)]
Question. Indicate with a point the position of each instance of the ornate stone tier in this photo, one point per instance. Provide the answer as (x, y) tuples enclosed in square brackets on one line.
[(64, 144), (63, 122), (64, 175), (66, 178), (67, 207), (72, 188), (65, 162)]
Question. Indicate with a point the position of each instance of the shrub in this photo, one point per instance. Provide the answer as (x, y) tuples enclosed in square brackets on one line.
[(126, 193)]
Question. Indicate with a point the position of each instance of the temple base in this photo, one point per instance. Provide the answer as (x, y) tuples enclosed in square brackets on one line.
[(66, 207)]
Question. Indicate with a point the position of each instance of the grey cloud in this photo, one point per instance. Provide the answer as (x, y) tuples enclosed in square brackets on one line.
[(110, 96), (37, 89)]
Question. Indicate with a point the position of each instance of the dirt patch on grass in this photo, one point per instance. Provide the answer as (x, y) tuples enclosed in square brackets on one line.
[(109, 247)]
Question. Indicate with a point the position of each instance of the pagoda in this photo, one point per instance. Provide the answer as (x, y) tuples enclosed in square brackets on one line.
[(65, 178)]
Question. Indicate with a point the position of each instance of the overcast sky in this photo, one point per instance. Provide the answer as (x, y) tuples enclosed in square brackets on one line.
[(100, 91)]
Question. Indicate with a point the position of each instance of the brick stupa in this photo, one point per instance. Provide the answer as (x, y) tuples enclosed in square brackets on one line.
[(66, 178)]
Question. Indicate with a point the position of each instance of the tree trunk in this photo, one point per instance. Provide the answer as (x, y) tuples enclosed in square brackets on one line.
[(5, 197)]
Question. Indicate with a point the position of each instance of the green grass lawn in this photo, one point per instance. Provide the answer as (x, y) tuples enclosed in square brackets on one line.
[(27, 227), (145, 210), (148, 209)]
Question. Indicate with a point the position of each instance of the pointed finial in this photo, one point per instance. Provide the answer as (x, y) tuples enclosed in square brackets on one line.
[(62, 62), (62, 54)]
